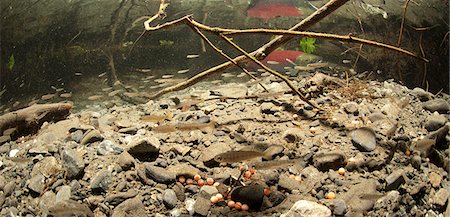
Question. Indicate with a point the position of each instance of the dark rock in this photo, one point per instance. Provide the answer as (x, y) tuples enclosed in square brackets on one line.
[(159, 174), (37, 183), (178, 188), (416, 162), (73, 163), (435, 121), (144, 148), (394, 180), (202, 206), (329, 160), (364, 139), (130, 207), (114, 199), (276, 198), (101, 180), (125, 161), (438, 105), (107, 147), (170, 198), (351, 107), (91, 136)]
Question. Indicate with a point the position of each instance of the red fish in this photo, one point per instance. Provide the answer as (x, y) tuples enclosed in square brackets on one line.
[(281, 59), (267, 10)]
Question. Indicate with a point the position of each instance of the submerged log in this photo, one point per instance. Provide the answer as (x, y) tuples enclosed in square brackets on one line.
[(28, 120)]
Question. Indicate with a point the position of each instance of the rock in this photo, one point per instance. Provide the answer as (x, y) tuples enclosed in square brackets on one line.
[(183, 169), (101, 180), (268, 108), (48, 166), (9, 188), (189, 205), (2, 183), (416, 162), (144, 147), (351, 107), (159, 174), (376, 116), (210, 190), (77, 135), (252, 195), (285, 182), (437, 105), (293, 135), (312, 177), (73, 163), (208, 154), (107, 147), (125, 161), (91, 136), (339, 207), (37, 183), (202, 206), (305, 208), (130, 207), (441, 197), (329, 160), (47, 200), (394, 180), (435, 121), (180, 149), (435, 179), (70, 208), (421, 94), (170, 198), (232, 90), (353, 196), (64, 193), (114, 199), (389, 202), (364, 139), (272, 151)]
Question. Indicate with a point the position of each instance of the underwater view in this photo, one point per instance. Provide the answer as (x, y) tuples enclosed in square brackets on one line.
[(309, 108)]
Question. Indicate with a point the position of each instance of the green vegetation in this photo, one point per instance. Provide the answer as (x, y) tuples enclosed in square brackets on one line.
[(307, 45), (11, 62), (166, 42)]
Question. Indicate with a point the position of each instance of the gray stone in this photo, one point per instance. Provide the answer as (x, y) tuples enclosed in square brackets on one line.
[(394, 180), (47, 200), (130, 207), (159, 174), (329, 160), (9, 188), (437, 105), (364, 139), (285, 182), (312, 177), (2, 183), (170, 198), (339, 207), (441, 197), (435, 121), (389, 202), (48, 167), (64, 193), (293, 135), (376, 116), (77, 136), (70, 208), (73, 163), (272, 151), (107, 147), (351, 107), (211, 190), (101, 180), (125, 161), (209, 153), (91, 136), (353, 196), (114, 199), (268, 108), (305, 208), (37, 183), (421, 94), (141, 146), (202, 206), (416, 162)]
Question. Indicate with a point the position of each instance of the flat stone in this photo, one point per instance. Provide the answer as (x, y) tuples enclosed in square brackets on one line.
[(421, 94), (288, 183), (125, 161), (144, 147), (435, 179), (389, 202), (48, 166), (436, 105), (353, 196), (73, 163), (91, 136), (268, 108), (37, 183), (305, 208), (441, 197), (210, 190), (293, 135), (325, 161), (232, 90), (351, 107), (394, 180), (119, 197), (181, 149), (364, 139), (64, 193), (183, 169), (312, 177), (376, 116), (159, 174), (107, 147), (70, 208), (435, 121), (101, 180), (47, 200), (169, 198), (130, 207), (202, 206), (9, 188)]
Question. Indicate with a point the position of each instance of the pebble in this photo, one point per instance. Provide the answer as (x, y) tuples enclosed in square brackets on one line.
[(268, 108), (435, 179), (394, 180), (130, 207), (144, 147), (416, 162), (73, 163), (91, 136), (421, 94), (189, 204), (2, 183), (101, 180), (48, 166), (436, 105), (339, 207), (352, 196), (307, 208), (37, 183), (351, 107), (202, 206), (325, 161), (159, 174), (107, 147), (441, 197), (293, 135), (210, 190), (117, 198), (64, 193), (272, 151), (376, 116), (183, 169), (364, 139), (9, 188), (435, 121), (170, 198), (389, 202), (125, 161)]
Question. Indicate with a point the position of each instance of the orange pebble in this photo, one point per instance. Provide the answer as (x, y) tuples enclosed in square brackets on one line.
[(197, 177), (298, 178), (247, 174), (267, 191), (200, 182), (231, 204), (252, 171), (330, 195), (341, 171), (189, 181), (238, 205), (181, 179), (245, 207), (295, 116), (210, 181), (214, 199), (312, 130)]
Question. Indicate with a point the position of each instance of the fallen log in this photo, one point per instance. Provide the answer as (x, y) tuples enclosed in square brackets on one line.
[(28, 120)]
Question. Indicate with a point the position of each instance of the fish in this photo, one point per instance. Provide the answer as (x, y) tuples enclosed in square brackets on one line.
[(216, 81), (290, 61), (143, 70), (237, 156), (227, 75), (241, 75), (107, 89), (17, 103), (194, 126), (156, 118), (48, 96), (264, 165), (167, 76), (78, 73), (266, 10), (346, 61), (164, 129), (94, 97), (282, 57), (101, 75), (304, 68), (185, 105), (192, 56), (66, 95), (115, 92), (183, 71), (59, 89)]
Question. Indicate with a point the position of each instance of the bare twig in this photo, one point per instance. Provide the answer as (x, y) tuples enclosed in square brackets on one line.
[(161, 14), (403, 23)]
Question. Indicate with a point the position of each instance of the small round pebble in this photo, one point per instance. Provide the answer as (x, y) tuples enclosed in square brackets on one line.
[(341, 171), (231, 204), (245, 207), (200, 182), (238, 205), (330, 195), (197, 177), (210, 181), (181, 179), (219, 196), (214, 199)]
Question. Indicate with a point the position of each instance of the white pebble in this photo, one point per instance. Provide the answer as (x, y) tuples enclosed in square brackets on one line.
[(13, 152)]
